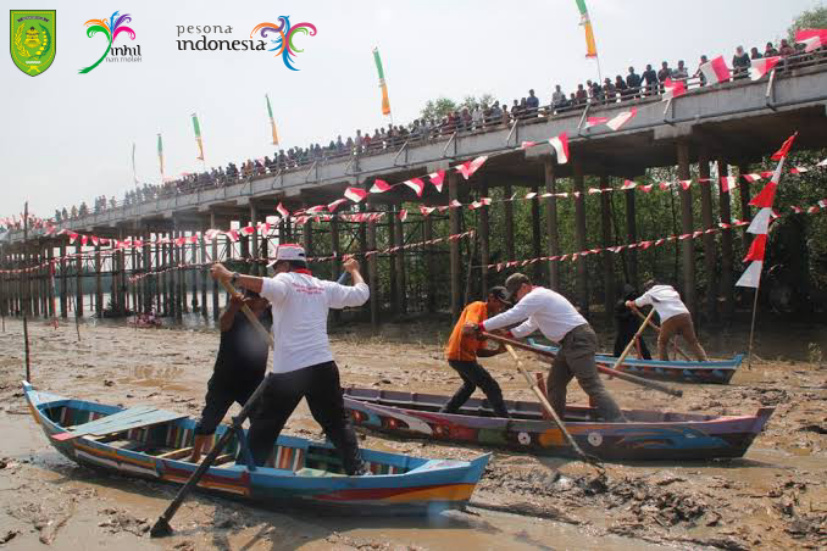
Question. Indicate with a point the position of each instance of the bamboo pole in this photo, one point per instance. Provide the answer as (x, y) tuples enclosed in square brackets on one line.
[(26, 292)]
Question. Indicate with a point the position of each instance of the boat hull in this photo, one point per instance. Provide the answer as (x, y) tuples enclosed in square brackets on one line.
[(717, 372), (300, 472), (648, 436)]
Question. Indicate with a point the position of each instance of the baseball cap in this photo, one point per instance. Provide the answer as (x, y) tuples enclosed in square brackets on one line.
[(289, 251), (500, 293), (514, 282)]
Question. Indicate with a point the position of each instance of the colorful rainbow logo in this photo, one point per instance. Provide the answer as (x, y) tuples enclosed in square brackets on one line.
[(284, 43), (112, 29)]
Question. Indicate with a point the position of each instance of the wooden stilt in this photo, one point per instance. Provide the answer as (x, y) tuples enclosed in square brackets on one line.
[(508, 207), (710, 252), (536, 233), (484, 240), (456, 261), (98, 283), (727, 283), (607, 257), (580, 237), (687, 226), (373, 277), (631, 237), (551, 224)]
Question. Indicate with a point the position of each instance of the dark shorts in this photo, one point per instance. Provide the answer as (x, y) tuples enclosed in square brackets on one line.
[(222, 391)]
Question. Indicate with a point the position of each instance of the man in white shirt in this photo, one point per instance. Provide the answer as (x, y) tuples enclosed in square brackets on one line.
[(675, 318), (559, 321), (303, 365)]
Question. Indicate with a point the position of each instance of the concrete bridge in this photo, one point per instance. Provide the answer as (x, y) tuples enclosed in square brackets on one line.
[(732, 124)]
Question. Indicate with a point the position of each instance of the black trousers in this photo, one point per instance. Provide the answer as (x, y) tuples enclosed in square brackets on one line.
[(473, 376), (319, 384), (222, 391), (624, 335)]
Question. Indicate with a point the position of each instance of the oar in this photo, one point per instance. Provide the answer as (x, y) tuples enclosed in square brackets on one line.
[(161, 527), (550, 410), (655, 326), (654, 385), (629, 346)]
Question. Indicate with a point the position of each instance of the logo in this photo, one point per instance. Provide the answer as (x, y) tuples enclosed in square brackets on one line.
[(32, 36), (111, 30), (283, 44)]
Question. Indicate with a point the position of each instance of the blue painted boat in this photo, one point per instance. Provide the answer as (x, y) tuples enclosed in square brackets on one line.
[(715, 372), (151, 444)]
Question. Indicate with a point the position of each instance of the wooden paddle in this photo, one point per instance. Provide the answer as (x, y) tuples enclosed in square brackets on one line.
[(161, 527), (655, 326), (654, 385), (631, 344), (550, 410)]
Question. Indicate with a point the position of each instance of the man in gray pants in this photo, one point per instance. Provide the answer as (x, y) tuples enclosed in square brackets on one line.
[(559, 321)]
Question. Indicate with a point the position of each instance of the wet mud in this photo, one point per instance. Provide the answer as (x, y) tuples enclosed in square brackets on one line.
[(773, 498)]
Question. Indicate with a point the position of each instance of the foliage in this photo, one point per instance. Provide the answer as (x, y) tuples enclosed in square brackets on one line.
[(442, 106), (815, 18)]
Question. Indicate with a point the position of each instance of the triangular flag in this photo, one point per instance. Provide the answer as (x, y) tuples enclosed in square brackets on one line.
[(437, 178), (715, 71), (596, 121), (751, 276), (380, 186), (621, 119), (785, 148), (628, 184), (468, 168), (762, 66), (283, 211), (761, 222), (416, 184), (356, 194), (728, 183), (561, 148), (757, 249), (335, 204)]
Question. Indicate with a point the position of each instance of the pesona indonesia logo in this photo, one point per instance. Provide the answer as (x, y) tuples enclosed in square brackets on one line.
[(111, 30), (280, 39)]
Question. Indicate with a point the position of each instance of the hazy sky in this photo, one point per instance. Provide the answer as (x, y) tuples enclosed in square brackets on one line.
[(68, 137)]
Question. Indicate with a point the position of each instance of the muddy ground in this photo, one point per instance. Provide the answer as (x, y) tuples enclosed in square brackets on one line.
[(774, 498)]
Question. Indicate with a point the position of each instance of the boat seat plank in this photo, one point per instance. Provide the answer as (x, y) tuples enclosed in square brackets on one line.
[(176, 454), (108, 419), (120, 424), (226, 458)]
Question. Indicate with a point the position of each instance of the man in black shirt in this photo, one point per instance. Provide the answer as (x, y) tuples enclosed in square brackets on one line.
[(627, 325), (239, 367), (651, 78), (633, 82)]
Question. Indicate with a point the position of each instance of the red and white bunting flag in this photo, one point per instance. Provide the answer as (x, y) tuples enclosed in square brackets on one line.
[(716, 71), (232, 234), (628, 184), (822, 163), (767, 174), (316, 209), (95, 240), (468, 168), (647, 188), (797, 210), (248, 230), (380, 186), (752, 178), (664, 185), (560, 144), (485, 201), (283, 211), (454, 204), (751, 276), (403, 215), (757, 249), (673, 89), (437, 178), (618, 121), (765, 197), (799, 170), (685, 184), (596, 121), (785, 148), (823, 203), (762, 66), (812, 39), (356, 194), (416, 184), (426, 211), (596, 190), (527, 145), (84, 239), (192, 239), (331, 207), (728, 183), (530, 195)]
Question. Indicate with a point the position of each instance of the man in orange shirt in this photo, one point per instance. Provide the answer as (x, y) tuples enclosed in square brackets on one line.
[(462, 352)]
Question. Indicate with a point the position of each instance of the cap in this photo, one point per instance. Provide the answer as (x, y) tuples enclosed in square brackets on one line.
[(514, 282), (289, 251), (500, 293)]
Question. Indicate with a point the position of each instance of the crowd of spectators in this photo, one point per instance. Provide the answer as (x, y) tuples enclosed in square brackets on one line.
[(468, 118)]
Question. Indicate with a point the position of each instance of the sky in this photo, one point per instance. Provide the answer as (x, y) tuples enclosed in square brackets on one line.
[(68, 137)]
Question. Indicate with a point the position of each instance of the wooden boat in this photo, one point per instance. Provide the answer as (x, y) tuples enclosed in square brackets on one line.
[(148, 443), (647, 435), (715, 372)]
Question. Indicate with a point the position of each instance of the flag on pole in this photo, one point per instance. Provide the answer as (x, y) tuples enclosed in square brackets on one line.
[(161, 155), (134, 173), (386, 103), (591, 47), (716, 70), (272, 121), (196, 126)]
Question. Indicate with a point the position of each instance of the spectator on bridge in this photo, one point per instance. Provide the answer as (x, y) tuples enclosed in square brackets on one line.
[(495, 114), (609, 91), (621, 88), (465, 120), (558, 98), (699, 73), (754, 53), (633, 82), (515, 109), (740, 63), (84, 209), (64, 214), (595, 92), (681, 73), (57, 216), (506, 120), (581, 96), (664, 73), (770, 51), (786, 50), (650, 77), (532, 104), (477, 117)]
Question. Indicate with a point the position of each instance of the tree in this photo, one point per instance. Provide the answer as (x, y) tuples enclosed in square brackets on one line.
[(438, 108), (815, 18)]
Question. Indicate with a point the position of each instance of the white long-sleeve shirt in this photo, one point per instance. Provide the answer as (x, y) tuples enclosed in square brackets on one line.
[(300, 303), (665, 300), (541, 309)]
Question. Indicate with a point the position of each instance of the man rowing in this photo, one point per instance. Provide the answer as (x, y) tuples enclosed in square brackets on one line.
[(550, 312), (675, 318), (303, 365), (239, 366), (463, 350)]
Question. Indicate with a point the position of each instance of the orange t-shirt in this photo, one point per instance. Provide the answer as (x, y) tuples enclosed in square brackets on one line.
[(461, 347)]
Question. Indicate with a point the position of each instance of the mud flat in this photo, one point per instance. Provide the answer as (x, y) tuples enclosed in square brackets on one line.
[(773, 498)]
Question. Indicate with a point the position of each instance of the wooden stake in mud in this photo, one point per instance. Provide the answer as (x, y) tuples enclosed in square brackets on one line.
[(655, 326), (26, 294), (550, 410), (161, 527), (752, 325)]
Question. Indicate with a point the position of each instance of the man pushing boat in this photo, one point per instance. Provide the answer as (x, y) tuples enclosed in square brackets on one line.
[(462, 352), (303, 365), (559, 321), (675, 318)]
